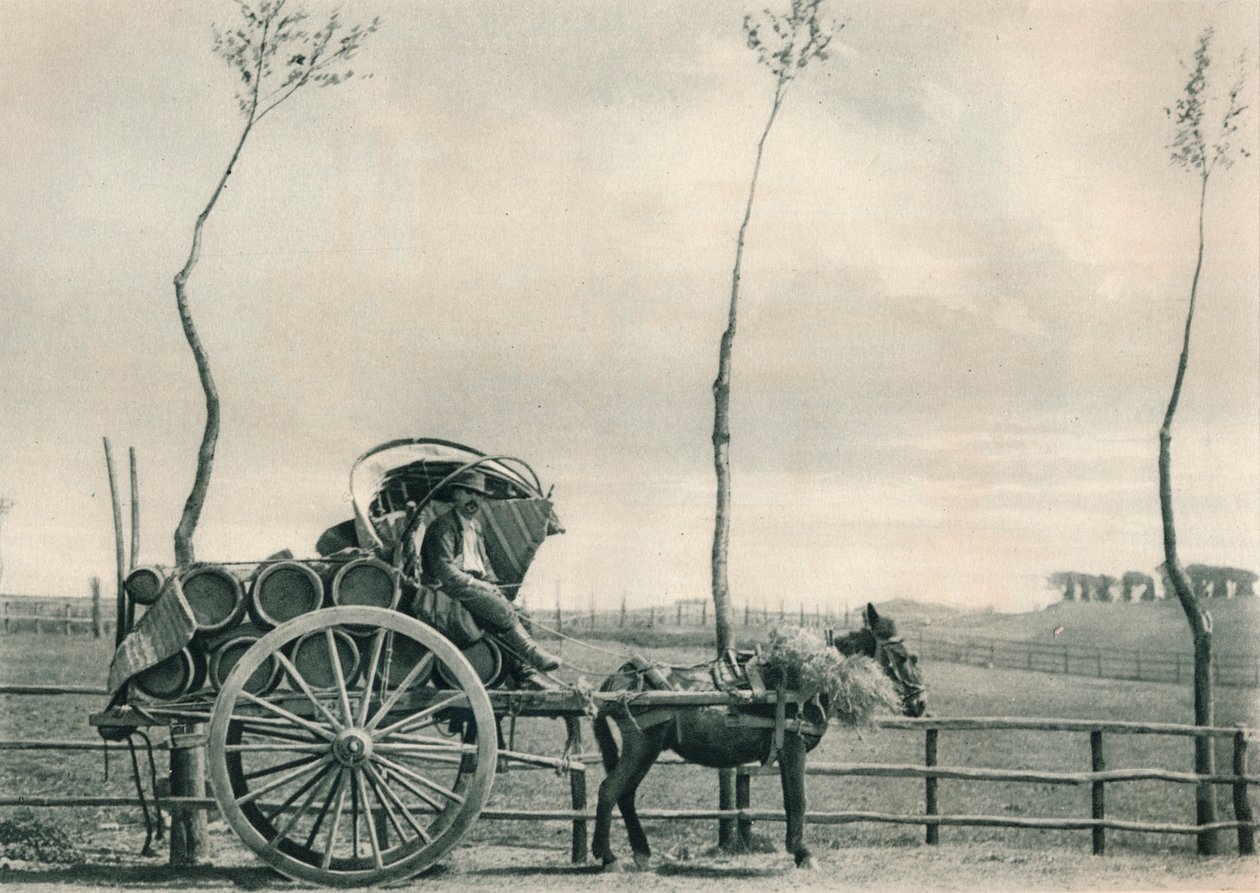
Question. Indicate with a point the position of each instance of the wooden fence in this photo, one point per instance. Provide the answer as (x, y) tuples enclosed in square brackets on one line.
[(1138, 665), (1096, 777), (19, 614)]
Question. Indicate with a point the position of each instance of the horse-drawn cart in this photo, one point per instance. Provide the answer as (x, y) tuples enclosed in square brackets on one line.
[(348, 742)]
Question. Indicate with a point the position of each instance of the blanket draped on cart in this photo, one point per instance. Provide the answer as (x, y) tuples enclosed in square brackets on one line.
[(166, 627)]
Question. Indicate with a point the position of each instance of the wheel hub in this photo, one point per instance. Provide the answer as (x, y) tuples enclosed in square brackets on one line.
[(352, 747)]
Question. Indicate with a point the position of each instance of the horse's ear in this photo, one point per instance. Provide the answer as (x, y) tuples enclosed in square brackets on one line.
[(870, 615)]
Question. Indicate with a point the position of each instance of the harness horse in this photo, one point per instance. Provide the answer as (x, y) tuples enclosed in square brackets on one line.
[(724, 738)]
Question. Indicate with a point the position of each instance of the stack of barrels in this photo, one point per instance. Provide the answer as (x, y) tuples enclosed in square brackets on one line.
[(235, 605)]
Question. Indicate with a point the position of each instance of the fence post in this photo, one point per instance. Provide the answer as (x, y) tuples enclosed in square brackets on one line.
[(929, 786), (704, 613), (745, 615), (1242, 806), (743, 800), (188, 779), (678, 622), (6, 618), (1177, 670), (1137, 657), (1098, 660), (96, 607), (726, 801), (1097, 792), (577, 788)]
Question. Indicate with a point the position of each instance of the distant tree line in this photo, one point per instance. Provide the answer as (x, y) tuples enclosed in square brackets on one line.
[(1208, 581)]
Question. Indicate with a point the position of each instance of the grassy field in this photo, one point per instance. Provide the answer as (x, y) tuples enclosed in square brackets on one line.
[(954, 690)]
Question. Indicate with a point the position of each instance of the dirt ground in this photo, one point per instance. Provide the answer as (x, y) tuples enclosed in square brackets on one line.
[(544, 868)]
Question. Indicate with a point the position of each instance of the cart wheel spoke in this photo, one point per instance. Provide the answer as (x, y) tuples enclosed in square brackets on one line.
[(300, 681), (314, 764), (420, 779), (310, 785), (391, 801), (336, 820), (255, 725), (426, 717), (368, 820), (326, 780), (419, 671), (369, 677), (334, 657), (334, 787), (314, 728), (294, 747), (272, 770)]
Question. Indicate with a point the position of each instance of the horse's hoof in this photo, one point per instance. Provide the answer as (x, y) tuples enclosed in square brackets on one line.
[(610, 865), (806, 863), (642, 861)]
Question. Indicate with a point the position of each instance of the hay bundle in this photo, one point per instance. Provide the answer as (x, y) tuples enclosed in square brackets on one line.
[(853, 688)]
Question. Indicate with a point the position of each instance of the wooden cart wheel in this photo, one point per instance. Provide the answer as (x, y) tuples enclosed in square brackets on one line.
[(369, 782)]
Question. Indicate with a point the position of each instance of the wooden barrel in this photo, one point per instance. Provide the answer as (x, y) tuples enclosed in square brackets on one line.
[(311, 656), (182, 673), (486, 658), (144, 584), (229, 650), (402, 655), (285, 590), (366, 581), (215, 595)]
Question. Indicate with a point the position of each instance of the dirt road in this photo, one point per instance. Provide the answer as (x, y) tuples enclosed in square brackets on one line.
[(547, 870)]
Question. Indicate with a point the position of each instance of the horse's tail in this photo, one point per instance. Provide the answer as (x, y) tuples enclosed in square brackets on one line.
[(602, 725)]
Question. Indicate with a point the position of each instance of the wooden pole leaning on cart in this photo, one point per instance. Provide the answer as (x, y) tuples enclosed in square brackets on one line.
[(120, 616), (189, 832)]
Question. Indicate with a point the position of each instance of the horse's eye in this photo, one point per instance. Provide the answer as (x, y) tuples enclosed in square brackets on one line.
[(914, 659)]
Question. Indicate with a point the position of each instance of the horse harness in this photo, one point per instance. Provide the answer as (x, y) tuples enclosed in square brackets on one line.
[(735, 671)]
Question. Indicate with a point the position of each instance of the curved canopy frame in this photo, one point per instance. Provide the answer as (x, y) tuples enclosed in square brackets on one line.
[(400, 477)]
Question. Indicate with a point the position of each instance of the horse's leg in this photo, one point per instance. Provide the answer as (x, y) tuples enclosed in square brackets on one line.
[(650, 747), (638, 751), (600, 848), (792, 775)]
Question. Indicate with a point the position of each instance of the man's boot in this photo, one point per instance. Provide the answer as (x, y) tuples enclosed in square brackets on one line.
[(529, 679), (522, 644)]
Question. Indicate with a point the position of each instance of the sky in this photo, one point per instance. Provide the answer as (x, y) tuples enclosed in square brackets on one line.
[(963, 291)]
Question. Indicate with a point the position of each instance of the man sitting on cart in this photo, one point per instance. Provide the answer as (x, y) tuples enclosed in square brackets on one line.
[(453, 559)]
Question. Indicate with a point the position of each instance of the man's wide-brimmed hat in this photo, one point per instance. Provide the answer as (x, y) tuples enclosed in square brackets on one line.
[(472, 480)]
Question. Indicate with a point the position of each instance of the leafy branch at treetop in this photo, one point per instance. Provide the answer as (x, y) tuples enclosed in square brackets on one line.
[(785, 53), (320, 57)]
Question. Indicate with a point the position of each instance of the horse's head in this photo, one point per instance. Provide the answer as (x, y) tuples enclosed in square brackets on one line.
[(878, 639)]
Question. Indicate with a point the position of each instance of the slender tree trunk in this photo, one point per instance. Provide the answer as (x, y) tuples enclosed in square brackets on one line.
[(722, 410), (1200, 620), (210, 436)]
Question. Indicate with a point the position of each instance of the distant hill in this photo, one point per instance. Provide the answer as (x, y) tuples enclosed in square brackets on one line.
[(1158, 625)]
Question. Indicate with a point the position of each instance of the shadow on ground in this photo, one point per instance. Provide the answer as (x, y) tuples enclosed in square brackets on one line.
[(107, 876)]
